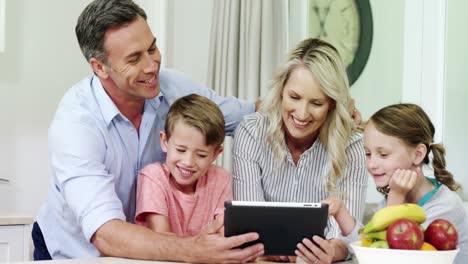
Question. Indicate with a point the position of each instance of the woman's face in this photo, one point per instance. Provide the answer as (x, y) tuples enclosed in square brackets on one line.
[(304, 106)]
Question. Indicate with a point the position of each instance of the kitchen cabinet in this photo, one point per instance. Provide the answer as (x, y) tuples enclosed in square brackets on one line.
[(15, 238)]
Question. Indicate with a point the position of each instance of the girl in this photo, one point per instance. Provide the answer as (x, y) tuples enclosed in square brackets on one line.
[(398, 141)]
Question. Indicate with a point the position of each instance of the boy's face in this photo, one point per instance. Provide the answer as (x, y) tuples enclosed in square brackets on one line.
[(188, 156), (385, 154)]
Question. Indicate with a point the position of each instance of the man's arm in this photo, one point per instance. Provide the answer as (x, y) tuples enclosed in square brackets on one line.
[(121, 239)]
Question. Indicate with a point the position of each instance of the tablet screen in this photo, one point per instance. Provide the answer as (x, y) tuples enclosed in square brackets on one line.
[(280, 225)]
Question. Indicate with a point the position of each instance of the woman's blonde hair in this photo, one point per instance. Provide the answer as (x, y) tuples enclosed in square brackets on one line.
[(326, 65), (410, 124)]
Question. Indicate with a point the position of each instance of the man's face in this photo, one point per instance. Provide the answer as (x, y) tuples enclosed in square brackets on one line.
[(133, 62)]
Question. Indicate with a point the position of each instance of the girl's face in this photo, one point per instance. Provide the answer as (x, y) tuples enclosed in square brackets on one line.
[(385, 154), (304, 106), (188, 156)]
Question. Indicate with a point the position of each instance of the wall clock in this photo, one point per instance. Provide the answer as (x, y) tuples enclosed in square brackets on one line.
[(347, 24)]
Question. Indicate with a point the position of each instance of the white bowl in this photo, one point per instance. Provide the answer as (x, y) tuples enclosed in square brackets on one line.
[(367, 255)]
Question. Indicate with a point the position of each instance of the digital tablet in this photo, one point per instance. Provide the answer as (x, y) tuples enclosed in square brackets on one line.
[(280, 225)]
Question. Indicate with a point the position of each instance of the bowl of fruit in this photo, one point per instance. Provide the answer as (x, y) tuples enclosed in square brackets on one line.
[(395, 235)]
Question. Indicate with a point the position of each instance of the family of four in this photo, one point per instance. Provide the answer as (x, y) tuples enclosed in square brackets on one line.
[(133, 143)]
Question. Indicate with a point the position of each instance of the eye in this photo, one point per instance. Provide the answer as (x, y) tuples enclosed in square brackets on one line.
[(368, 154), (180, 150), (294, 97), (202, 155), (134, 59), (152, 50)]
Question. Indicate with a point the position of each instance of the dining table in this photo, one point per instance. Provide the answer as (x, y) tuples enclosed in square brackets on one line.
[(113, 260)]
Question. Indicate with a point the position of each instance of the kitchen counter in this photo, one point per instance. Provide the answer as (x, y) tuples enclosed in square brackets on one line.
[(108, 260), (15, 220)]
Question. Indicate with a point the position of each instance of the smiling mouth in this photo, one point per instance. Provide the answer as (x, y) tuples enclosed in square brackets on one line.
[(185, 173), (300, 123), (149, 80)]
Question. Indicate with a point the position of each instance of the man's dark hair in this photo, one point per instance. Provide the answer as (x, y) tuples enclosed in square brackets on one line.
[(97, 18)]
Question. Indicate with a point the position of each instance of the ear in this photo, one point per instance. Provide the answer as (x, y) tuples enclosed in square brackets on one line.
[(217, 152), (419, 153), (332, 105), (99, 68), (163, 140)]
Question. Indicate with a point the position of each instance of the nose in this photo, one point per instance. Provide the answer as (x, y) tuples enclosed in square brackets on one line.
[(302, 111), (188, 159), (370, 163), (152, 62)]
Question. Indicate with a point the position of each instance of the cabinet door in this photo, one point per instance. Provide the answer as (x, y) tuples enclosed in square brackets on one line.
[(11, 243)]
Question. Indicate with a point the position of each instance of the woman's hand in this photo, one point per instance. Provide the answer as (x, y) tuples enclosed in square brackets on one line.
[(322, 251)]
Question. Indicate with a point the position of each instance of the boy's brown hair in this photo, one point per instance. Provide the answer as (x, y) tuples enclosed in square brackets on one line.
[(198, 112)]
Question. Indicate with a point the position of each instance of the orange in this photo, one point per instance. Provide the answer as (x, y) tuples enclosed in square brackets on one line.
[(427, 246), (365, 242)]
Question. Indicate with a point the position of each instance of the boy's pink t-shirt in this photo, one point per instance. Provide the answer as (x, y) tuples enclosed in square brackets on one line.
[(187, 214)]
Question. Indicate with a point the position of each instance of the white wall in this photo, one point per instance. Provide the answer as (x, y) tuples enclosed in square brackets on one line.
[(456, 93), (41, 60), (381, 81)]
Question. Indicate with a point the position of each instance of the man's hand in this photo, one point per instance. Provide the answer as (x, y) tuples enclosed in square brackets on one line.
[(355, 114), (210, 246)]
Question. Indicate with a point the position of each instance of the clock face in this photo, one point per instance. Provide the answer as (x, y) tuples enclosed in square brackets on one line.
[(347, 25)]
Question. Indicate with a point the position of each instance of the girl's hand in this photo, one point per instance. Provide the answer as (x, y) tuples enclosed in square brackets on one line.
[(321, 252), (334, 205), (403, 181)]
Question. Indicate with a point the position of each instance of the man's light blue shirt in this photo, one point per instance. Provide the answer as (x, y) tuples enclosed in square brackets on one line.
[(96, 154)]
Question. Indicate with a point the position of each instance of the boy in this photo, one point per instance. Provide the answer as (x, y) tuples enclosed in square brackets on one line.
[(187, 192)]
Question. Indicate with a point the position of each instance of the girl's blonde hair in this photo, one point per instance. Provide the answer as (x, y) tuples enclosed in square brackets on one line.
[(410, 123), (326, 65)]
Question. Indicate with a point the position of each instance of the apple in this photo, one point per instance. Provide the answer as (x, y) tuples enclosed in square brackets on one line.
[(442, 234), (405, 234)]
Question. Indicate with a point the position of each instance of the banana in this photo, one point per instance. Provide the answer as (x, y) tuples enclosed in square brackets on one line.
[(380, 235), (380, 244), (387, 215)]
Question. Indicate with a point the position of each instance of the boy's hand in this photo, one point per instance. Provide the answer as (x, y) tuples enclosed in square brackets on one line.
[(212, 247)]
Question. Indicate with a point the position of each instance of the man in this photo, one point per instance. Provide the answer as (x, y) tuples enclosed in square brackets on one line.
[(105, 130)]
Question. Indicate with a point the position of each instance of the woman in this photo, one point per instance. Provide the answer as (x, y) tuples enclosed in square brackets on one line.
[(300, 146)]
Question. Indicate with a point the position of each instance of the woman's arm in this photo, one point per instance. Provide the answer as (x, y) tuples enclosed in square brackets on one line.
[(247, 172), (353, 184)]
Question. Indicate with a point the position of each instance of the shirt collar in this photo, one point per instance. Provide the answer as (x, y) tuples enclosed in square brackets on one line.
[(109, 109)]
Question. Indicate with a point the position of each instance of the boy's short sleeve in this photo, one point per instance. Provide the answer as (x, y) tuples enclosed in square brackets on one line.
[(152, 190)]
